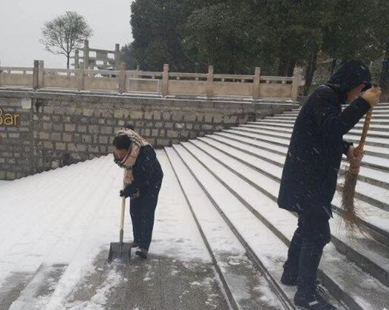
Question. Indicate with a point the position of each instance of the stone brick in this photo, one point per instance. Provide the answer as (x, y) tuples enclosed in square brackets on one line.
[(56, 136), (106, 130), (87, 112), (207, 127), (121, 123), (118, 114), (87, 138), (103, 149), (112, 122), (158, 125), (147, 132), (46, 126), (60, 146), (2, 160), (217, 119), (189, 117), (67, 137), (48, 144), (103, 140), (93, 129), (148, 115), (177, 116), (93, 149), (172, 134), (184, 134), (101, 121), (166, 116), (179, 125), (208, 118), (84, 120), (58, 127), (157, 115), (70, 127), (163, 142), (136, 115), (81, 148), (56, 119), (81, 128), (44, 135), (10, 175), (168, 125), (196, 126), (14, 135), (154, 133)]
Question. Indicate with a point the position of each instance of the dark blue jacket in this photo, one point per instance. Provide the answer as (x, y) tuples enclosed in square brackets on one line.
[(147, 174)]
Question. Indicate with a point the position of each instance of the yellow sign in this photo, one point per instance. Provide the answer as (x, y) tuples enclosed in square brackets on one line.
[(8, 119)]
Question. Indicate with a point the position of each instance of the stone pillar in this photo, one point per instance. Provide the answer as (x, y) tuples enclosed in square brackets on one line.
[(209, 90), (296, 83), (41, 74), (77, 59), (256, 83), (86, 54), (81, 79), (117, 57), (35, 72), (122, 78), (165, 80)]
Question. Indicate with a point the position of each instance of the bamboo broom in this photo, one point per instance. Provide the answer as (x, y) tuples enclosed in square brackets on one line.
[(350, 212)]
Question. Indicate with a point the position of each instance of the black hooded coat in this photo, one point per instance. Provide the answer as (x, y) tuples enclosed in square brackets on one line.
[(309, 177)]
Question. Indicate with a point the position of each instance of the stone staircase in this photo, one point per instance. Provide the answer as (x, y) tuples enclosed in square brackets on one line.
[(234, 175)]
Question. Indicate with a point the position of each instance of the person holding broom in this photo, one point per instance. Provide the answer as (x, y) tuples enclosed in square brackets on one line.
[(142, 183), (310, 172)]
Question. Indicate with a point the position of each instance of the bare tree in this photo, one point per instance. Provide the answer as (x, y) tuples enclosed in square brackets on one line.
[(65, 33)]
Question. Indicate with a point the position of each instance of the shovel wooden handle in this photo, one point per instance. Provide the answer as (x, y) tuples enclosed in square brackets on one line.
[(122, 213)]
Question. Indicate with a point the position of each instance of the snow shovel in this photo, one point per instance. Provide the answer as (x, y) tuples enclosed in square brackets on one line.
[(120, 250)]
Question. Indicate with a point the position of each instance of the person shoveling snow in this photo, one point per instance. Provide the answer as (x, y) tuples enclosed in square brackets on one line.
[(142, 183)]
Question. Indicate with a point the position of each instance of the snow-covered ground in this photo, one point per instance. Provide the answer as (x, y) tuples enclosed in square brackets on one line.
[(67, 216)]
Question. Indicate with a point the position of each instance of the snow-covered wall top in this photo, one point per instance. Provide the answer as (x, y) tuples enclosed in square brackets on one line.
[(53, 129)]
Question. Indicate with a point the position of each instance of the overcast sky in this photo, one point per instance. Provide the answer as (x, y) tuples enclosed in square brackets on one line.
[(21, 22)]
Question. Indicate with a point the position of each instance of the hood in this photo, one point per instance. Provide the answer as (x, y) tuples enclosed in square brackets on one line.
[(351, 74)]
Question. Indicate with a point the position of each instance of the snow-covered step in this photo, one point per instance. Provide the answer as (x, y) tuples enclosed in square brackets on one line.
[(340, 276), (353, 136), (247, 288), (373, 218), (381, 128), (261, 243), (235, 160), (354, 132), (368, 160), (265, 152), (374, 122), (380, 142)]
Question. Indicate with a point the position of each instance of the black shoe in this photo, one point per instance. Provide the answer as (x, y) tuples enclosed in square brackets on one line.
[(312, 302), (142, 253)]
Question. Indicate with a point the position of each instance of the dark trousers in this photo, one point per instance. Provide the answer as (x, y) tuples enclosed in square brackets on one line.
[(305, 251), (142, 212)]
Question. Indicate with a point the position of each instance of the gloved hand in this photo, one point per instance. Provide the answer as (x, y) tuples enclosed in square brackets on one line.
[(126, 193), (372, 96)]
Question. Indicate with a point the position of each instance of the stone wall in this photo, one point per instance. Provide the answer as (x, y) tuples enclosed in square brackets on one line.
[(58, 129)]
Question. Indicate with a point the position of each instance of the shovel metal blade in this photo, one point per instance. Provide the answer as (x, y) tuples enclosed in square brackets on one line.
[(119, 251)]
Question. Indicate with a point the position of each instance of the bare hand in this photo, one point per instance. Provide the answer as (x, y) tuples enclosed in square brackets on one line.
[(354, 158), (372, 96)]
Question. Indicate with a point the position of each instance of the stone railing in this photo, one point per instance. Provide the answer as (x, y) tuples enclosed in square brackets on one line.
[(163, 84)]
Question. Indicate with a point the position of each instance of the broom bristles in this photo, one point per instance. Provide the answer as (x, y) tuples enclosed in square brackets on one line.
[(350, 213)]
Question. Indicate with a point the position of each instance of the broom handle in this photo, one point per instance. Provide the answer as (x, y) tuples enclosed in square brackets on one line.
[(354, 168), (366, 126)]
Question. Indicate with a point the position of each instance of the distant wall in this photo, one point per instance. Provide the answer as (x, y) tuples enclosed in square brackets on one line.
[(57, 129)]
